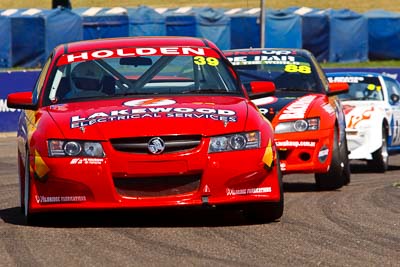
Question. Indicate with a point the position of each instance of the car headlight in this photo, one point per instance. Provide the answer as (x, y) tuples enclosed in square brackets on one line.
[(64, 148), (237, 141), (311, 124)]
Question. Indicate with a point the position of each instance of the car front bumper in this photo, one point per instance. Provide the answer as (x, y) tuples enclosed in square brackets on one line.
[(305, 152), (123, 180)]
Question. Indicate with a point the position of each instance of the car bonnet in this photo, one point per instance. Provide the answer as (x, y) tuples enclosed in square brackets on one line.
[(212, 115)]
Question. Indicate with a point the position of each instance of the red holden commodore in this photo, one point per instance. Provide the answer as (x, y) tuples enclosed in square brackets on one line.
[(144, 122), (305, 111)]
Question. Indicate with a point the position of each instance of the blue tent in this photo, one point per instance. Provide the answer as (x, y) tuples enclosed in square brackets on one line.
[(348, 36), (383, 34), (214, 25), (209, 23), (180, 21), (104, 22), (315, 30), (283, 29), (22, 38), (245, 27), (145, 21), (64, 19), (27, 36)]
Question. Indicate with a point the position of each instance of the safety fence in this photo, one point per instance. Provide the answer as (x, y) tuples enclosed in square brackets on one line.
[(27, 36)]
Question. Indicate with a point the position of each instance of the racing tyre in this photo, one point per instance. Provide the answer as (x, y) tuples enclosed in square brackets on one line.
[(344, 155), (29, 218), (266, 211), (335, 177), (380, 158)]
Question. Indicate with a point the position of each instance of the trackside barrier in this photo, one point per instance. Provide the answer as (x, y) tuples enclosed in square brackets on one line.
[(19, 81), (10, 82)]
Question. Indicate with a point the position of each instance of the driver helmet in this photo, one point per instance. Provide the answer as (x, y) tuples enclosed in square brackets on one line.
[(87, 76)]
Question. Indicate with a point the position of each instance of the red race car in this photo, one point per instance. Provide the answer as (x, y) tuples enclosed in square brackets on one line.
[(306, 114), (144, 122)]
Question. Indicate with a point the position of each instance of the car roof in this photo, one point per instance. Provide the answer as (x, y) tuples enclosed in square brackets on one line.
[(297, 51), (354, 73), (148, 41)]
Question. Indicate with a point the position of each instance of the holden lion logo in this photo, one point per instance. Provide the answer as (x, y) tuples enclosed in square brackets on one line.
[(156, 145)]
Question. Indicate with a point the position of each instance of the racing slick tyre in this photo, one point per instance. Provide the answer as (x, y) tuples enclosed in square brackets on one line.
[(266, 211), (344, 155), (335, 177), (29, 218), (380, 158)]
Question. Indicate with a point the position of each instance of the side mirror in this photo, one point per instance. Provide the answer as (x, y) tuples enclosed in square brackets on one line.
[(394, 98), (261, 89), (20, 100), (336, 88)]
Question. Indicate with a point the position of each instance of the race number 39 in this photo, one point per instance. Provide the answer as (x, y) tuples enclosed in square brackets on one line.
[(200, 60)]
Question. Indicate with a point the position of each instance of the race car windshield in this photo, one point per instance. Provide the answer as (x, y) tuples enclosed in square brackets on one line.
[(296, 74), (142, 75), (360, 88)]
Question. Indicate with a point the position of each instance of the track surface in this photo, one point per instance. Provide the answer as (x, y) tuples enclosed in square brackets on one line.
[(358, 225)]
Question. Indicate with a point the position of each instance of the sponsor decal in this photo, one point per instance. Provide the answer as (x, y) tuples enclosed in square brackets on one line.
[(261, 57), (266, 111), (298, 108), (40, 167), (391, 75), (59, 199), (328, 108), (348, 108), (258, 52), (285, 58), (135, 52), (248, 191), (354, 120), (86, 161), (283, 166), (265, 100), (268, 157), (153, 112), (288, 143), (149, 102), (4, 108), (59, 107), (206, 189), (345, 79), (258, 60), (323, 154)]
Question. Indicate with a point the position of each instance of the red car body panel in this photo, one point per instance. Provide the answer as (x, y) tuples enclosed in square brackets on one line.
[(304, 151)]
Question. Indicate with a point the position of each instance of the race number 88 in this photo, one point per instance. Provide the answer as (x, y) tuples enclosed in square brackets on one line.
[(295, 68), (200, 60)]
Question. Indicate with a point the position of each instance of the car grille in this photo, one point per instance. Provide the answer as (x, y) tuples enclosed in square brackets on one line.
[(157, 186), (172, 143)]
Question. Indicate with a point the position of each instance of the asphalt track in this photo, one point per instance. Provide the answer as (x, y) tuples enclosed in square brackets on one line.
[(358, 225)]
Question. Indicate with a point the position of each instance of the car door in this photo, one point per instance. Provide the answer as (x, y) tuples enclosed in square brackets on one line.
[(393, 94)]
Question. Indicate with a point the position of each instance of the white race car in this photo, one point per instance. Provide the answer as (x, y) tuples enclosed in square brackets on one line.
[(372, 111)]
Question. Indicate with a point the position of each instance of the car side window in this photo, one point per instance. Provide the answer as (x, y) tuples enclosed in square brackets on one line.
[(40, 81), (393, 88)]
